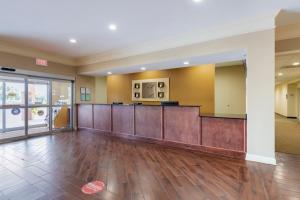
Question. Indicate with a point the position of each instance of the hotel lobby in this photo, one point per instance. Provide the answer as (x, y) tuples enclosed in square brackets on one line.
[(192, 99)]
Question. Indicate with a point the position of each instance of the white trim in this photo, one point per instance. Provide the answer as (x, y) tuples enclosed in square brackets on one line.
[(40, 74), (261, 159)]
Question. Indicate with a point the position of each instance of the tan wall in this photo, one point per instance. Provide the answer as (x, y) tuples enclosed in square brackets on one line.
[(27, 63), (292, 109), (230, 90), (189, 86), (100, 90), (260, 81), (86, 82)]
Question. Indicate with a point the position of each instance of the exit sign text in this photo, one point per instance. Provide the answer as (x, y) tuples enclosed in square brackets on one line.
[(41, 62)]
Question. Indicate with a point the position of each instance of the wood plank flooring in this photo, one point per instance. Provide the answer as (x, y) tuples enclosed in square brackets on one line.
[(56, 167)]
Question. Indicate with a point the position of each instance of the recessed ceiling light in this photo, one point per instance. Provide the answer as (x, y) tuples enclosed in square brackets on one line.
[(280, 74), (197, 1), (113, 27), (296, 63), (73, 40), (109, 73), (143, 68), (186, 62)]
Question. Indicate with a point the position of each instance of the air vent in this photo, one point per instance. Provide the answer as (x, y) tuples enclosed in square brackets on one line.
[(8, 69)]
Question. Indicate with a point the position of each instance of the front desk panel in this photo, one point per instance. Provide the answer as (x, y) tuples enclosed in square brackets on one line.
[(182, 124), (176, 126), (149, 121), (123, 119), (102, 117)]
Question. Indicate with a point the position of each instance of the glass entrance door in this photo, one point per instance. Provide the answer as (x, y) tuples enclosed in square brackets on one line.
[(12, 106), (32, 105), (38, 106)]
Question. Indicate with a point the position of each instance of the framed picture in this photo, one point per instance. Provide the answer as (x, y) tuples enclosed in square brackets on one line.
[(137, 86), (161, 95), (137, 95), (82, 97), (161, 84), (82, 90), (85, 94), (150, 90), (87, 97)]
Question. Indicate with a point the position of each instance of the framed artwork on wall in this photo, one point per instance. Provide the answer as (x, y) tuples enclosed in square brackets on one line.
[(137, 86), (85, 94), (161, 95), (161, 84), (150, 89)]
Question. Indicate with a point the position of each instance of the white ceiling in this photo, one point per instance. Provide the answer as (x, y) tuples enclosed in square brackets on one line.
[(289, 74), (48, 24)]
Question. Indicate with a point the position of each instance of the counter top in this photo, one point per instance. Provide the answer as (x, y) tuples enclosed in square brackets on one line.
[(138, 105), (220, 115)]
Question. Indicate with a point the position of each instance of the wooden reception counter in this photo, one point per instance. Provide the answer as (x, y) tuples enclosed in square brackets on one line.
[(176, 126)]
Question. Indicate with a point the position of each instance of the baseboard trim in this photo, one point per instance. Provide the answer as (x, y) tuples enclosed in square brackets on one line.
[(261, 159)]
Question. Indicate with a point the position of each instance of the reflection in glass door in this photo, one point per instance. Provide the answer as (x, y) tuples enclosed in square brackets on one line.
[(32, 105), (61, 104), (38, 106)]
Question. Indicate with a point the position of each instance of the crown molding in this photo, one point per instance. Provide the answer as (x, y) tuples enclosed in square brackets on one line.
[(34, 53), (242, 27)]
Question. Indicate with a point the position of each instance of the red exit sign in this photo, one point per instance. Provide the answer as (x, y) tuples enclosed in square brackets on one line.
[(41, 62)]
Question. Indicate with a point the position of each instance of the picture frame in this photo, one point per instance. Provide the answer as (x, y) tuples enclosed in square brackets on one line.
[(137, 85), (85, 94), (137, 95), (161, 84), (161, 95)]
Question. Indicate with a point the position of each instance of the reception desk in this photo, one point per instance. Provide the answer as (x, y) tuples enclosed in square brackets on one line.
[(176, 126)]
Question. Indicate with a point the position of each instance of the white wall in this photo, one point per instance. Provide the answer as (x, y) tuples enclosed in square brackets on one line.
[(230, 90)]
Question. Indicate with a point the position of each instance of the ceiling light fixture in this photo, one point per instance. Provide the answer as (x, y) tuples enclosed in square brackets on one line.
[(296, 63), (109, 73), (143, 68), (113, 27), (197, 1), (73, 40), (280, 74), (186, 62)]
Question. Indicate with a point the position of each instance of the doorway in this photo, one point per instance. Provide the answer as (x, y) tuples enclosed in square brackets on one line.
[(34, 105)]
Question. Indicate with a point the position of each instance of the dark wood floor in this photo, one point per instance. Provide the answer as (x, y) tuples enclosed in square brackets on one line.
[(55, 167)]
